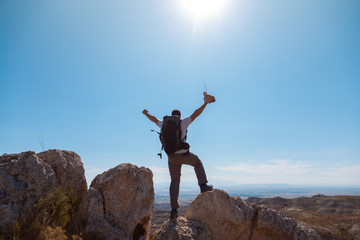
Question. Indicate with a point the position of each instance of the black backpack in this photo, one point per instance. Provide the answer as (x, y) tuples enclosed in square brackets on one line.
[(170, 134)]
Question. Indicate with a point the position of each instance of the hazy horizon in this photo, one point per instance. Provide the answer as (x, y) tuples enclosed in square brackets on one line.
[(189, 193)]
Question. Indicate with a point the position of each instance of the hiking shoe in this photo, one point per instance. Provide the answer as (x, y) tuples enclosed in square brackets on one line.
[(205, 187), (173, 214)]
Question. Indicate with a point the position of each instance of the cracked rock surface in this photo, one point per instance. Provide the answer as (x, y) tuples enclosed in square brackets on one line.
[(225, 217), (182, 229), (27, 176), (119, 203)]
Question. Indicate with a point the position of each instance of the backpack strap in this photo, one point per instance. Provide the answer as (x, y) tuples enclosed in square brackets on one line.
[(179, 127)]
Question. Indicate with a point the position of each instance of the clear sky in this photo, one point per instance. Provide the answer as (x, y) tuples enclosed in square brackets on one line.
[(76, 75)]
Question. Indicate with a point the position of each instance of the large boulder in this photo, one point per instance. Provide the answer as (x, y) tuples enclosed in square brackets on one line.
[(119, 204), (223, 217), (230, 218), (26, 177), (227, 217)]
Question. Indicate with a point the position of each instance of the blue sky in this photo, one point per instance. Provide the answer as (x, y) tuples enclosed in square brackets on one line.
[(76, 75)]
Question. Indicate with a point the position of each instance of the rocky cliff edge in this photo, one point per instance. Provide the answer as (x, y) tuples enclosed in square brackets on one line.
[(216, 215)]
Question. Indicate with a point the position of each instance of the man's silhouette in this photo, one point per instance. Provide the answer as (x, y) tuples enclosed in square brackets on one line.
[(183, 156)]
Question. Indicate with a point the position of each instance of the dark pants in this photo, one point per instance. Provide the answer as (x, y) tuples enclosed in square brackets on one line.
[(175, 162)]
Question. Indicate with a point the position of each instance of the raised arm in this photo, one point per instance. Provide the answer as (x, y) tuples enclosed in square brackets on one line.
[(150, 117), (198, 112)]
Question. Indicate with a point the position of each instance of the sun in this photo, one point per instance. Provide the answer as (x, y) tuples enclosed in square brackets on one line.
[(203, 8)]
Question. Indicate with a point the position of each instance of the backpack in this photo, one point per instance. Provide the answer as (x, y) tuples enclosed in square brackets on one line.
[(170, 134)]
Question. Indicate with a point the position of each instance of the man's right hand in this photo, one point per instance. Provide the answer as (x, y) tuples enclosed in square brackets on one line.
[(145, 112), (208, 98)]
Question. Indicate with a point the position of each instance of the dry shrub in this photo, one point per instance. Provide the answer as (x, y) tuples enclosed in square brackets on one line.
[(48, 219), (23, 228), (57, 233), (57, 207)]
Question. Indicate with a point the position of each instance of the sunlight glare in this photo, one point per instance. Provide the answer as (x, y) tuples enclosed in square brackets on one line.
[(203, 8)]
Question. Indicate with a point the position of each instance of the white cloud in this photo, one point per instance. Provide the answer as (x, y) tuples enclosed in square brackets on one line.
[(269, 167)]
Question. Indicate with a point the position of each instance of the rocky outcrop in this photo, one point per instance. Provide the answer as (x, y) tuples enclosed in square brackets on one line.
[(226, 216), (26, 177), (182, 229), (68, 168), (119, 203), (271, 224), (332, 217), (223, 217)]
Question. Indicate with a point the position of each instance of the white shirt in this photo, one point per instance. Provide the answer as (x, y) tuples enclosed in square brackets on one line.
[(184, 124)]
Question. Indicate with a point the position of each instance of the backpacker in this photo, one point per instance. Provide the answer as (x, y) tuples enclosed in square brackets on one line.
[(170, 134)]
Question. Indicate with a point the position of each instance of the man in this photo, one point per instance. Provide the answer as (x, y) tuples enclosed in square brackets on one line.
[(183, 156)]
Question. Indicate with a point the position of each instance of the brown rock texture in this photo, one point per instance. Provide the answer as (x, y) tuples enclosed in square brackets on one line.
[(68, 168), (226, 216), (182, 229), (332, 217), (26, 177), (119, 203), (230, 218), (223, 217)]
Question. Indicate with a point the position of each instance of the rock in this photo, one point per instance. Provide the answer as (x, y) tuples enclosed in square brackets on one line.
[(332, 217), (271, 224), (355, 231), (92, 213), (119, 203), (225, 216), (68, 169), (182, 229), (26, 177), (230, 218)]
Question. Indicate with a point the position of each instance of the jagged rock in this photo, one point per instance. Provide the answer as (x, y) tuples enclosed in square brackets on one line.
[(68, 169), (92, 214), (225, 216), (271, 224), (182, 229), (26, 177), (119, 203), (332, 217), (230, 218)]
